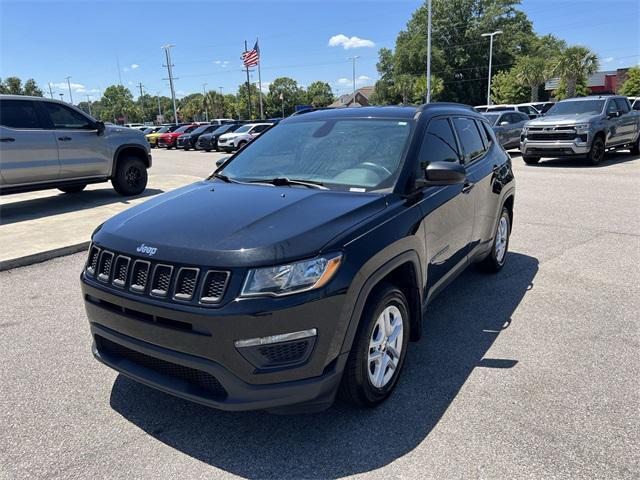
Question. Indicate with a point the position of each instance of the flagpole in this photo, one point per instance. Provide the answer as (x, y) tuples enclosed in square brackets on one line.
[(248, 84), (260, 82)]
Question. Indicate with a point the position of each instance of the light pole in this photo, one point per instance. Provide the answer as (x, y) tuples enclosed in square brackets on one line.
[(69, 85), (169, 66), (89, 103), (204, 101), (428, 51), (353, 59), (490, 35)]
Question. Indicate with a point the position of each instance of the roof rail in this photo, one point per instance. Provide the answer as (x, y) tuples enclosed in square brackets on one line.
[(313, 109), (424, 106)]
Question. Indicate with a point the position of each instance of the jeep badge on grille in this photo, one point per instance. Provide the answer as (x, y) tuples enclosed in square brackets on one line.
[(151, 251)]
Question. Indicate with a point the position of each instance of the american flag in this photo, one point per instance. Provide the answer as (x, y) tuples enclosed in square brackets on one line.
[(251, 58)]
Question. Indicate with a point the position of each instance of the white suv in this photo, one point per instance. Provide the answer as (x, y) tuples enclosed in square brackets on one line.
[(238, 139)]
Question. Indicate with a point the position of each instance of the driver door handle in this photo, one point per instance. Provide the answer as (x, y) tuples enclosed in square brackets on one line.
[(7, 139), (466, 188), (64, 139)]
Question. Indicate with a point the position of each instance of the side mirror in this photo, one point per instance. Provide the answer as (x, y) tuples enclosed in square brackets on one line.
[(100, 127), (613, 114), (442, 173), (502, 124), (221, 161)]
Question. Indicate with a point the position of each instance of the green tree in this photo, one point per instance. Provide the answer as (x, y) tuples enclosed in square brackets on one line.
[(284, 90), (505, 88), (118, 103), (192, 107), (631, 86), (580, 89), (242, 104), (437, 87), (572, 65), (13, 86), (319, 94), (531, 72)]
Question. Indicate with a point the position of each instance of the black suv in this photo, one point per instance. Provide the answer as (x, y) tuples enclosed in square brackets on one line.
[(189, 140), (209, 141), (302, 266)]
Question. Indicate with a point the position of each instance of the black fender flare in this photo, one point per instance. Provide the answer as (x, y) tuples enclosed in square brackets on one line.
[(116, 155), (362, 294)]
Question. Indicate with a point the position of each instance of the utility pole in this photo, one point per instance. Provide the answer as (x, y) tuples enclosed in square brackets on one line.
[(119, 71), (159, 108), (89, 103), (69, 85), (169, 65), (141, 100), (490, 35), (260, 81), (428, 99), (248, 84), (353, 59), (50, 91), (204, 101)]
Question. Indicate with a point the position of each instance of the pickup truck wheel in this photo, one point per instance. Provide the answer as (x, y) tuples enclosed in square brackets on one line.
[(635, 148), (130, 177), (596, 154), (73, 188), (530, 160), (498, 255), (378, 350)]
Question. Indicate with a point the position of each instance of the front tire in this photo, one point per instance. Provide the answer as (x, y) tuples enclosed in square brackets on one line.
[(131, 176), (596, 154), (378, 350), (530, 160), (73, 188), (498, 255), (635, 148)]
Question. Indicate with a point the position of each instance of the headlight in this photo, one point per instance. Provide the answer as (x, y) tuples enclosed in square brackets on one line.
[(582, 128), (292, 278)]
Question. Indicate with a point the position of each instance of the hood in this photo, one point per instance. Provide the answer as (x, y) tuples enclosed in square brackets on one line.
[(232, 135), (124, 133), (233, 225), (571, 119)]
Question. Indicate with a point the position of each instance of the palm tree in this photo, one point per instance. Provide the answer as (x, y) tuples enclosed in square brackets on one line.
[(531, 72), (574, 63)]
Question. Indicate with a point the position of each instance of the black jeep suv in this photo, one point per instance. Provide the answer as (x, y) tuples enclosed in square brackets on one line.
[(302, 266)]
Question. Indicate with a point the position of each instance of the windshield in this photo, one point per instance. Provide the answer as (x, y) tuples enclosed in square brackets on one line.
[(221, 130), (492, 117), (350, 154), (576, 107), (244, 128), (184, 128), (164, 129), (201, 129)]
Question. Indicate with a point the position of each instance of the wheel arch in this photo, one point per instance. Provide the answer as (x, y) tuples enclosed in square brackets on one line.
[(129, 149)]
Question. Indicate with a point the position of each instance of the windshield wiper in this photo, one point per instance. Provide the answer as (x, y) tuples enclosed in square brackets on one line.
[(284, 181), (223, 177)]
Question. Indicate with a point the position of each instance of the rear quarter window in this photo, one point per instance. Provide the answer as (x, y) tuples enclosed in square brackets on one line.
[(470, 138)]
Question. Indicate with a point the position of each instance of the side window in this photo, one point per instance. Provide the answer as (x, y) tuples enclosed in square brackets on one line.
[(259, 129), (623, 106), (438, 145), (636, 105), (19, 114), (469, 136), (483, 133), (63, 117), (524, 118), (611, 106)]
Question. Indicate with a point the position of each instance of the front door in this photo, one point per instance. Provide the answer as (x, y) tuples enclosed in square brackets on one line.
[(448, 212), (28, 152), (82, 152)]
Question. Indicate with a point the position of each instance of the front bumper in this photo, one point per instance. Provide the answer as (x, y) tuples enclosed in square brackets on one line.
[(554, 148), (208, 348)]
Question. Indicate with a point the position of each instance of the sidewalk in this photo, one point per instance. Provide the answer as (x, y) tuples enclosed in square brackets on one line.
[(37, 226)]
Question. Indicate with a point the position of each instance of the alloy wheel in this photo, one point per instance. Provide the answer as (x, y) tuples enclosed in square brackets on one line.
[(385, 346)]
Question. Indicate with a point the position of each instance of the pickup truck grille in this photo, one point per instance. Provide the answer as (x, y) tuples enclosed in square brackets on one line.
[(159, 280), (551, 133)]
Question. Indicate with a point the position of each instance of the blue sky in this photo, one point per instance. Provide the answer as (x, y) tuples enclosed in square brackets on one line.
[(48, 40)]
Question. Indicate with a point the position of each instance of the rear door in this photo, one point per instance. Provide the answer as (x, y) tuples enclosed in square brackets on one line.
[(28, 151), (82, 152), (615, 134), (628, 121), (448, 212)]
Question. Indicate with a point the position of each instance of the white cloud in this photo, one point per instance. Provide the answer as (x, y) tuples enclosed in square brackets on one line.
[(344, 81), (125, 69), (265, 86), (360, 81), (607, 60), (130, 83), (76, 87), (349, 42), (134, 66)]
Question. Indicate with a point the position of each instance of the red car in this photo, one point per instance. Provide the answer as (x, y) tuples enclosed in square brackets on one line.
[(169, 139)]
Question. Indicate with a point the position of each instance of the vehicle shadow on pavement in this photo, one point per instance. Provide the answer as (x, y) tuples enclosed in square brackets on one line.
[(611, 158), (460, 326), (34, 208)]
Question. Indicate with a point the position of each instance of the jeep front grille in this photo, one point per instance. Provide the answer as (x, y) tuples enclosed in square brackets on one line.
[(162, 281)]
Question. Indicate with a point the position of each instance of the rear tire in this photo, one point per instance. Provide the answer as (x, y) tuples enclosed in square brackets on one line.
[(500, 247), (530, 160), (635, 148), (207, 149), (379, 348), (241, 144), (73, 188), (130, 177), (596, 154)]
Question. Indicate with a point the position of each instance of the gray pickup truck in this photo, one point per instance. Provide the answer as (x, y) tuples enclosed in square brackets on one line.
[(51, 144), (582, 127)]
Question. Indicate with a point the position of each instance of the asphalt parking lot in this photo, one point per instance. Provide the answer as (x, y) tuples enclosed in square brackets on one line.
[(531, 373)]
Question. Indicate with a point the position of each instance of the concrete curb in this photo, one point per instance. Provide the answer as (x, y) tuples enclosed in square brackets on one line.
[(42, 256)]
